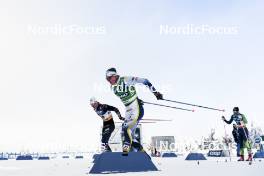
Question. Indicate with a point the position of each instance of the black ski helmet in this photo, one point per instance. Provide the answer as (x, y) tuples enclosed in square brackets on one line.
[(236, 109), (110, 72)]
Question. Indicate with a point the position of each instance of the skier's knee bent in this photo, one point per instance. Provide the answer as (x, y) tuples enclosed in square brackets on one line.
[(134, 112)]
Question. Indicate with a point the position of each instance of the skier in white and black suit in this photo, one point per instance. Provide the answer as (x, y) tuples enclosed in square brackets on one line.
[(104, 111), (124, 88)]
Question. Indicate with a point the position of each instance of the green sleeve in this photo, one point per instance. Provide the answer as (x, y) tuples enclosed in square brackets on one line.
[(244, 119)]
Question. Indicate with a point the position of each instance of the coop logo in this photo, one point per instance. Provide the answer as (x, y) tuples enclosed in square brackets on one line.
[(215, 153), (124, 95)]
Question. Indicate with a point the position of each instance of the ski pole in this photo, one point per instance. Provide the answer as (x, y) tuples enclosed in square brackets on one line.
[(245, 132), (189, 104), (168, 106), (138, 122), (158, 120)]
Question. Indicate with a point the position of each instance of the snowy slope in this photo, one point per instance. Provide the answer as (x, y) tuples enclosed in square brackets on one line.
[(167, 166)]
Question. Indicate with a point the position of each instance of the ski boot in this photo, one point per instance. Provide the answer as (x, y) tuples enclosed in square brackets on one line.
[(137, 147), (241, 158), (249, 157), (126, 149), (105, 148)]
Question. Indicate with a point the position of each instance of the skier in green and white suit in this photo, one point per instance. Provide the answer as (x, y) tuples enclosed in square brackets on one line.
[(124, 88), (243, 134)]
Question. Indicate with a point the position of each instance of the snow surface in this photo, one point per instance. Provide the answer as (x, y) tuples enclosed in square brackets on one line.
[(167, 166)]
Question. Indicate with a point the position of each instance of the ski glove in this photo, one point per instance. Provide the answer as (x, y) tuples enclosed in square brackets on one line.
[(158, 95), (121, 118)]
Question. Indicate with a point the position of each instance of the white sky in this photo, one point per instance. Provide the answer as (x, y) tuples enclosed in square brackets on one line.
[(47, 80)]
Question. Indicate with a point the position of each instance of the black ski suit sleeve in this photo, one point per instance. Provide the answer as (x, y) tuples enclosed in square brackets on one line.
[(112, 108), (229, 121)]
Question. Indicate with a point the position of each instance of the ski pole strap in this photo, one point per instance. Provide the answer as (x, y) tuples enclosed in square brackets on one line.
[(199, 106), (168, 106)]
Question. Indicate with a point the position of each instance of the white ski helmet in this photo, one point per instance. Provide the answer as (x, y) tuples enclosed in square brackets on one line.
[(93, 100)]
